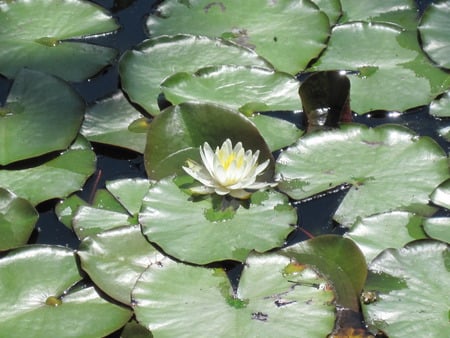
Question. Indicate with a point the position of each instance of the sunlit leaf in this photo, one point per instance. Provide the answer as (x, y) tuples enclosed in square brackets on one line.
[(420, 306), (173, 298), (298, 36), (129, 192), (143, 69), (115, 259), (67, 207), (373, 50), (332, 9), (41, 114), (17, 220), (194, 231), (175, 135), (235, 87), (438, 228), (389, 230), (38, 297), (61, 176), (39, 35), (107, 122), (434, 31), (441, 107), (441, 196), (389, 161)]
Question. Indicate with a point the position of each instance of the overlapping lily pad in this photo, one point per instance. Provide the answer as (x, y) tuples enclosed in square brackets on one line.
[(60, 176), (108, 122), (389, 230), (197, 232), (39, 34), (441, 107), (373, 50), (176, 135), (299, 34), (389, 161), (35, 303), (17, 219), (441, 196), (434, 30), (41, 114), (115, 265), (143, 69), (418, 302), (173, 298), (438, 228), (247, 89)]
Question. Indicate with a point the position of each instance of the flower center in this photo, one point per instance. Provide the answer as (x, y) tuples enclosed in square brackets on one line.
[(226, 159)]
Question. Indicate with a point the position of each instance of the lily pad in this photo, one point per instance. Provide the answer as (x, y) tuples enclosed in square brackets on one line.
[(421, 305), (143, 69), (42, 114), (113, 264), (108, 122), (438, 228), (194, 231), (247, 89), (389, 161), (373, 50), (389, 230), (175, 135), (173, 298), (40, 35), (61, 176), (441, 107), (332, 8), (434, 31), (298, 36), (34, 302), (441, 196), (17, 220)]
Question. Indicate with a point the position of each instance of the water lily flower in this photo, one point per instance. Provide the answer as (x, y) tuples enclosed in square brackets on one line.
[(227, 170)]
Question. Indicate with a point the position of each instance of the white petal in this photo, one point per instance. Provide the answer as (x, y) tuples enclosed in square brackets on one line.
[(201, 190), (241, 193)]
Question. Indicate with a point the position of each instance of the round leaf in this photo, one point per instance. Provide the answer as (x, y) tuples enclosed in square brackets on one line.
[(390, 230), (421, 306), (17, 220), (143, 69), (188, 230), (61, 176), (36, 297), (247, 89), (107, 122), (181, 128), (45, 112), (389, 161), (373, 50), (298, 36), (434, 30), (36, 35), (438, 228), (113, 264), (173, 298)]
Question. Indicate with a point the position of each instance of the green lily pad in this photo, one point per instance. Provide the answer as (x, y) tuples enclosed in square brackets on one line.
[(143, 69), (175, 135), (389, 230), (41, 114), (247, 89), (34, 302), (434, 31), (339, 260), (438, 228), (39, 35), (17, 220), (421, 306), (115, 207), (189, 231), (332, 8), (373, 50), (389, 161), (441, 107), (113, 264), (61, 176), (441, 196), (270, 128), (107, 122), (298, 36), (173, 298), (66, 209)]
